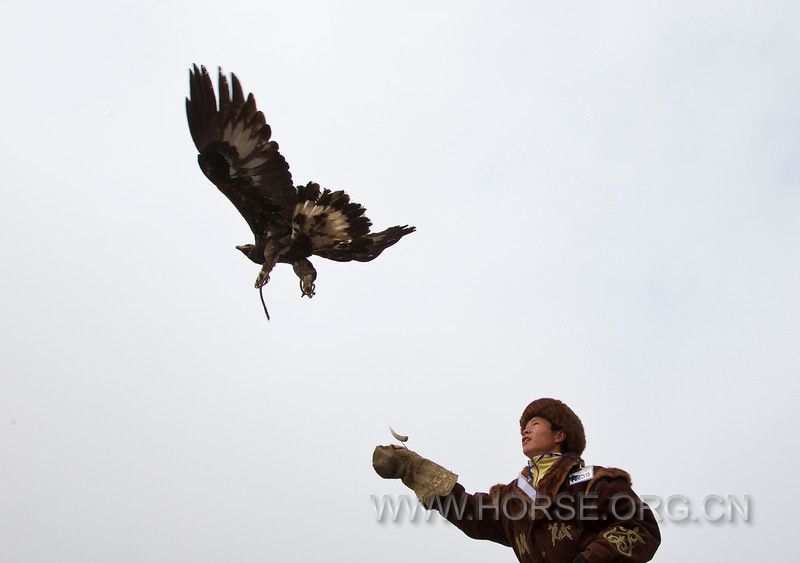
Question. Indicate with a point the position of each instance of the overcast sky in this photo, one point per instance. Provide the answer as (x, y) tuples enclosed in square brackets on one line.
[(607, 198)]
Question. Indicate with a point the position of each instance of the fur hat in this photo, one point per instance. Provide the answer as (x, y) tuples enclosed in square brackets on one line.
[(560, 416)]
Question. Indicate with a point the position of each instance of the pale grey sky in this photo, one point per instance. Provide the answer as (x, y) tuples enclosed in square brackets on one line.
[(607, 199)]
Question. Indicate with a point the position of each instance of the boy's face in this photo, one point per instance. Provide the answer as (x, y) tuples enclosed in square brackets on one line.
[(539, 437)]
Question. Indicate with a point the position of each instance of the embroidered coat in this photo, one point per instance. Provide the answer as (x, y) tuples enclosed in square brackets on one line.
[(589, 511)]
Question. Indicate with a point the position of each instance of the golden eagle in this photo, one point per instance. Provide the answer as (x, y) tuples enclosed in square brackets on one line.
[(289, 223)]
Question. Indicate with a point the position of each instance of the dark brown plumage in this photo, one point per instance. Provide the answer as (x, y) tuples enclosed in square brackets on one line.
[(289, 223)]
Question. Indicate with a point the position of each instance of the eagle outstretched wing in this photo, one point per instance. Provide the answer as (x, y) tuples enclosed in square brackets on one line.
[(368, 247), (236, 153), (337, 228)]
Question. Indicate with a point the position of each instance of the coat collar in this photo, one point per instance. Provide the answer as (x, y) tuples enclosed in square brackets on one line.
[(552, 480)]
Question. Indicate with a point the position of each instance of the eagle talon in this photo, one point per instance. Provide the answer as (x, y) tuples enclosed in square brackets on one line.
[(307, 274), (307, 288), (262, 279)]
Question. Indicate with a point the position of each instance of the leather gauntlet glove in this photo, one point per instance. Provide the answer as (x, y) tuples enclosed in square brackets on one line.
[(421, 475)]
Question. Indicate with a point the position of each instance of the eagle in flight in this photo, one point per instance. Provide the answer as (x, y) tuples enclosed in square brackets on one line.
[(289, 223)]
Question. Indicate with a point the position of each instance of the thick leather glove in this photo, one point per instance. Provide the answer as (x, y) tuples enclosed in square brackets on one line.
[(421, 475)]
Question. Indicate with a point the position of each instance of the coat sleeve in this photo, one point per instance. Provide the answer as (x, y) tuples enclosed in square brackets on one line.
[(629, 533), (477, 515)]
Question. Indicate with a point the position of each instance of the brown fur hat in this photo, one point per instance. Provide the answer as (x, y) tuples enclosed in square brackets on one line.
[(561, 417)]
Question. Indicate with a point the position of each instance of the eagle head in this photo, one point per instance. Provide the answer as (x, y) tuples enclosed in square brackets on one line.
[(251, 252)]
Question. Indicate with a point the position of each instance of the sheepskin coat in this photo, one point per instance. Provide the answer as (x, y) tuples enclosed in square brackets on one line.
[(574, 510)]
